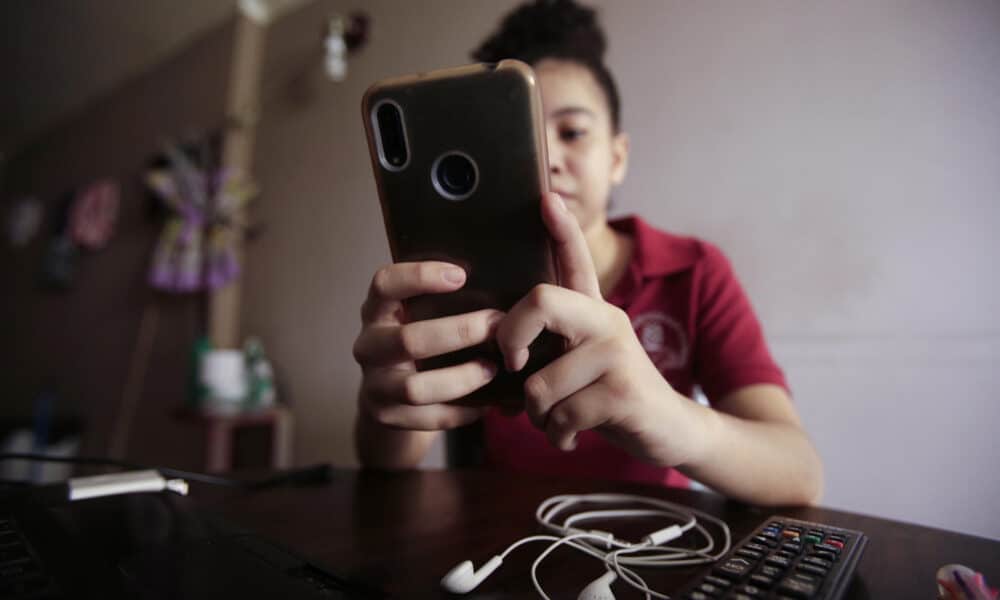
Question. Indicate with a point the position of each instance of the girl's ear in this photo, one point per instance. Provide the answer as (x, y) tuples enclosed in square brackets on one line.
[(619, 157)]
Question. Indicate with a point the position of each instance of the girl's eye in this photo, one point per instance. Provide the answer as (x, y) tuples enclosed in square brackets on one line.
[(570, 134)]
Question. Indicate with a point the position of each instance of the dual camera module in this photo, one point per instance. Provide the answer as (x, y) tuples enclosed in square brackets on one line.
[(454, 174)]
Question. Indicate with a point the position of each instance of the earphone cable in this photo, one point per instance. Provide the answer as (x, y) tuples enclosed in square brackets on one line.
[(649, 554), (570, 541)]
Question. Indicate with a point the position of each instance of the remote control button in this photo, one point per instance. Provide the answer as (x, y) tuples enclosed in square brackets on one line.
[(798, 588), (836, 543), (785, 554), (766, 541), (830, 556), (813, 539), (718, 581), (819, 562), (742, 596), (756, 547), (795, 528), (751, 554), (762, 580), (793, 547), (778, 561), (752, 590), (790, 534), (828, 548), (774, 572), (733, 568), (812, 569), (711, 590), (838, 537), (699, 596)]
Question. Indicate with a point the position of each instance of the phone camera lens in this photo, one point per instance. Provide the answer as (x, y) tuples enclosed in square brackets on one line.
[(392, 135), (455, 176)]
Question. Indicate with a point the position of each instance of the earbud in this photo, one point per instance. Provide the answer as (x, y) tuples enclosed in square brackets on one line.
[(599, 589), (464, 578)]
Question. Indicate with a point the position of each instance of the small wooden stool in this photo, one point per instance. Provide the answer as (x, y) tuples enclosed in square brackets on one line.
[(221, 429)]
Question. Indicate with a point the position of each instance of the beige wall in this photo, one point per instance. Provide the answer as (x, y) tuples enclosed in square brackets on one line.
[(845, 155), (111, 341)]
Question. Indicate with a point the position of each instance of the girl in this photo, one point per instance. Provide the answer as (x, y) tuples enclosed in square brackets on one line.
[(647, 315)]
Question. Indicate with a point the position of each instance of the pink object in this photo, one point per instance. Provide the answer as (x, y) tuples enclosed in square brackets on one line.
[(94, 214), (959, 582)]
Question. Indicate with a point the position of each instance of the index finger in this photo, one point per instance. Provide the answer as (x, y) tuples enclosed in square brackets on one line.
[(399, 281), (576, 267)]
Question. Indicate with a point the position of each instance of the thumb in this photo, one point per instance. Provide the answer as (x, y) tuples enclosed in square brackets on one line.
[(572, 255)]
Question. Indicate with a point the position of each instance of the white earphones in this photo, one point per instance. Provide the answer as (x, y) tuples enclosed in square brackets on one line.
[(600, 588), (617, 555), (464, 578)]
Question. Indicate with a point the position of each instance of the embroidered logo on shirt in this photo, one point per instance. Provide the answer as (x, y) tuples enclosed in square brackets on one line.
[(663, 339)]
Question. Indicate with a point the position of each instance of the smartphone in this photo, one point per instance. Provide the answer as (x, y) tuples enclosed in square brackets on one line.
[(459, 158)]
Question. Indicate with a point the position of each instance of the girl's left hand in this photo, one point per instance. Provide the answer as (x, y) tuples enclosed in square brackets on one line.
[(605, 380)]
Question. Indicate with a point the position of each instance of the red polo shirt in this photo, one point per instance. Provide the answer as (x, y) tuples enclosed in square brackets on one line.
[(697, 326)]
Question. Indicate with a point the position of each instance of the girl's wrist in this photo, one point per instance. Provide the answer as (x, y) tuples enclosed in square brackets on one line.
[(704, 425)]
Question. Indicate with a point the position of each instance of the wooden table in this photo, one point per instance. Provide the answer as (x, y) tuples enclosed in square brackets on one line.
[(402, 531)]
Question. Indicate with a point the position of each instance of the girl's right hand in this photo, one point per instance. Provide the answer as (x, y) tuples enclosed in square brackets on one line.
[(393, 393)]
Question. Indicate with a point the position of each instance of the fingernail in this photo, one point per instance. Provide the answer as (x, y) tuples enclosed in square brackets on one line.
[(521, 359), (570, 445), (453, 275)]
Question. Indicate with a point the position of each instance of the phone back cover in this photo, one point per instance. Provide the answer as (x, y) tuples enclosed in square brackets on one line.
[(493, 115)]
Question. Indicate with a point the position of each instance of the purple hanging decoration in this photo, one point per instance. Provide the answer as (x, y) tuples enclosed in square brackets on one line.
[(196, 251)]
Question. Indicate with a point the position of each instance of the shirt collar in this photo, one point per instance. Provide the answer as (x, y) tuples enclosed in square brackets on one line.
[(658, 253)]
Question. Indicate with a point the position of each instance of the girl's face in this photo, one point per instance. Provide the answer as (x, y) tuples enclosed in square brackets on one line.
[(586, 156)]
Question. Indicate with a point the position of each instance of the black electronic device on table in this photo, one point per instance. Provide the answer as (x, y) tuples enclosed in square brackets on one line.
[(149, 545), (783, 558)]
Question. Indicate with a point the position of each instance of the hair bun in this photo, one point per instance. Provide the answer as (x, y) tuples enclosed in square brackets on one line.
[(546, 27)]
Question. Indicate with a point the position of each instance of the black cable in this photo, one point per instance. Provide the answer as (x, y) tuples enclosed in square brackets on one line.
[(14, 482), (313, 474)]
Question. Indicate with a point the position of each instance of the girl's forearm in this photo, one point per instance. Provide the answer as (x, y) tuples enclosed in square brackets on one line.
[(765, 463), (382, 447)]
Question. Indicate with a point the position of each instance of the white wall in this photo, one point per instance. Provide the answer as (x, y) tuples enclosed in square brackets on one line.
[(845, 155)]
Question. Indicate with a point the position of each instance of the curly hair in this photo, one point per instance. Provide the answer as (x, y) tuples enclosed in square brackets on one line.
[(557, 29)]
